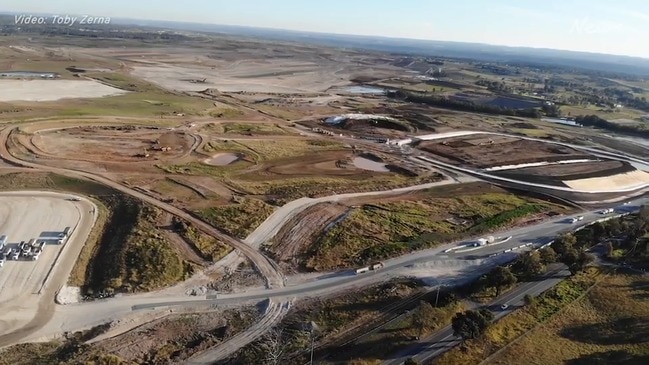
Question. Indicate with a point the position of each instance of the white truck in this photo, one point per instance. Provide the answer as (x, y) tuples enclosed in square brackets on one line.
[(362, 270), (607, 211), (63, 236)]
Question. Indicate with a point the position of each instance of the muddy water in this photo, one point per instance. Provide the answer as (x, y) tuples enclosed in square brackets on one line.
[(367, 164), (222, 159)]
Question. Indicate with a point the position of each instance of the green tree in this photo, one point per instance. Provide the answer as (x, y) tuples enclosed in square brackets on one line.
[(608, 249), (530, 265), (500, 277), (471, 324), (529, 300), (564, 243), (423, 317), (548, 256)]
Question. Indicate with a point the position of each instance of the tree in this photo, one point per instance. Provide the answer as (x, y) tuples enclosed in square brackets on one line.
[(530, 264), (608, 249), (471, 324), (411, 361), (577, 261), (500, 277), (564, 243), (423, 317), (529, 300), (272, 347), (548, 256)]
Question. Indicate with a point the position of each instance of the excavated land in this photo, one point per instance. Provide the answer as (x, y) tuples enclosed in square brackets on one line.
[(484, 151), (558, 174), (301, 231), (178, 335), (326, 163)]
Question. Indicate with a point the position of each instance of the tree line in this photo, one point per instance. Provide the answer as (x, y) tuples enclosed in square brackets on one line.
[(462, 105)]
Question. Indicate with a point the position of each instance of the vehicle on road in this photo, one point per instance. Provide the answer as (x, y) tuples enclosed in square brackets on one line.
[(607, 211), (573, 220), (376, 266), (362, 270), (73, 199), (504, 306), (580, 218)]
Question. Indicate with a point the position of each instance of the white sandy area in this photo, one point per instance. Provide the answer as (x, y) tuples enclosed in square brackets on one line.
[(50, 90), (631, 179)]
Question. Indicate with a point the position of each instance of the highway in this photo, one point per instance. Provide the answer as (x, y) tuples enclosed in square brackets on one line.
[(443, 340)]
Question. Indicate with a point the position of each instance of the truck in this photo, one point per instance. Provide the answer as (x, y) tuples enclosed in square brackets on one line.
[(376, 266), (7, 252), (15, 254), (36, 253), (607, 211), (573, 220), (580, 218), (362, 270), (3, 241), (480, 242), (66, 232)]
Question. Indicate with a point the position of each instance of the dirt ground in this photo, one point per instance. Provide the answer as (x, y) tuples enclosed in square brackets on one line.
[(115, 144), (301, 231), (483, 151), (176, 337), (49, 90)]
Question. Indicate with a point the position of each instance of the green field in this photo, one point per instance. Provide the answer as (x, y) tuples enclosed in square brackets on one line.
[(382, 230)]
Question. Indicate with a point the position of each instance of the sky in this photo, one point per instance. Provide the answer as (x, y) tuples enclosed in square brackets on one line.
[(614, 27)]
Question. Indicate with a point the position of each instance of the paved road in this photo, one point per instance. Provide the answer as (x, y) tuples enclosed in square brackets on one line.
[(443, 340)]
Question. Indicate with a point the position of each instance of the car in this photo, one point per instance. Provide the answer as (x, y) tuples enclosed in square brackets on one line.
[(504, 306)]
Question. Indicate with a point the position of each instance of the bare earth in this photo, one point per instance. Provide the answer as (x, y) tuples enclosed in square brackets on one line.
[(49, 90), (621, 181)]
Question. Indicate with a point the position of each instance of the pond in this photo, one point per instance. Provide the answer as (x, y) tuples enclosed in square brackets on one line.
[(367, 164), (362, 89), (222, 159), (28, 74)]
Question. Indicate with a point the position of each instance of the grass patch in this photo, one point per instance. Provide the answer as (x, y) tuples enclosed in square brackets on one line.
[(607, 326), (210, 248), (383, 230), (225, 112), (509, 328), (238, 219), (253, 129), (285, 190)]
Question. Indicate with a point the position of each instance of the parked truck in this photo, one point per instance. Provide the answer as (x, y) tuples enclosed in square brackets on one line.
[(3, 241)]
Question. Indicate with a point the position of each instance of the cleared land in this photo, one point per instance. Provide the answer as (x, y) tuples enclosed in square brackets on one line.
[(168, 340), (483, 151), (42, 215), (49, 90)]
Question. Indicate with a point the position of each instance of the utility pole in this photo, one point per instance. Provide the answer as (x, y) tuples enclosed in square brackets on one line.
[(312, 345)]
